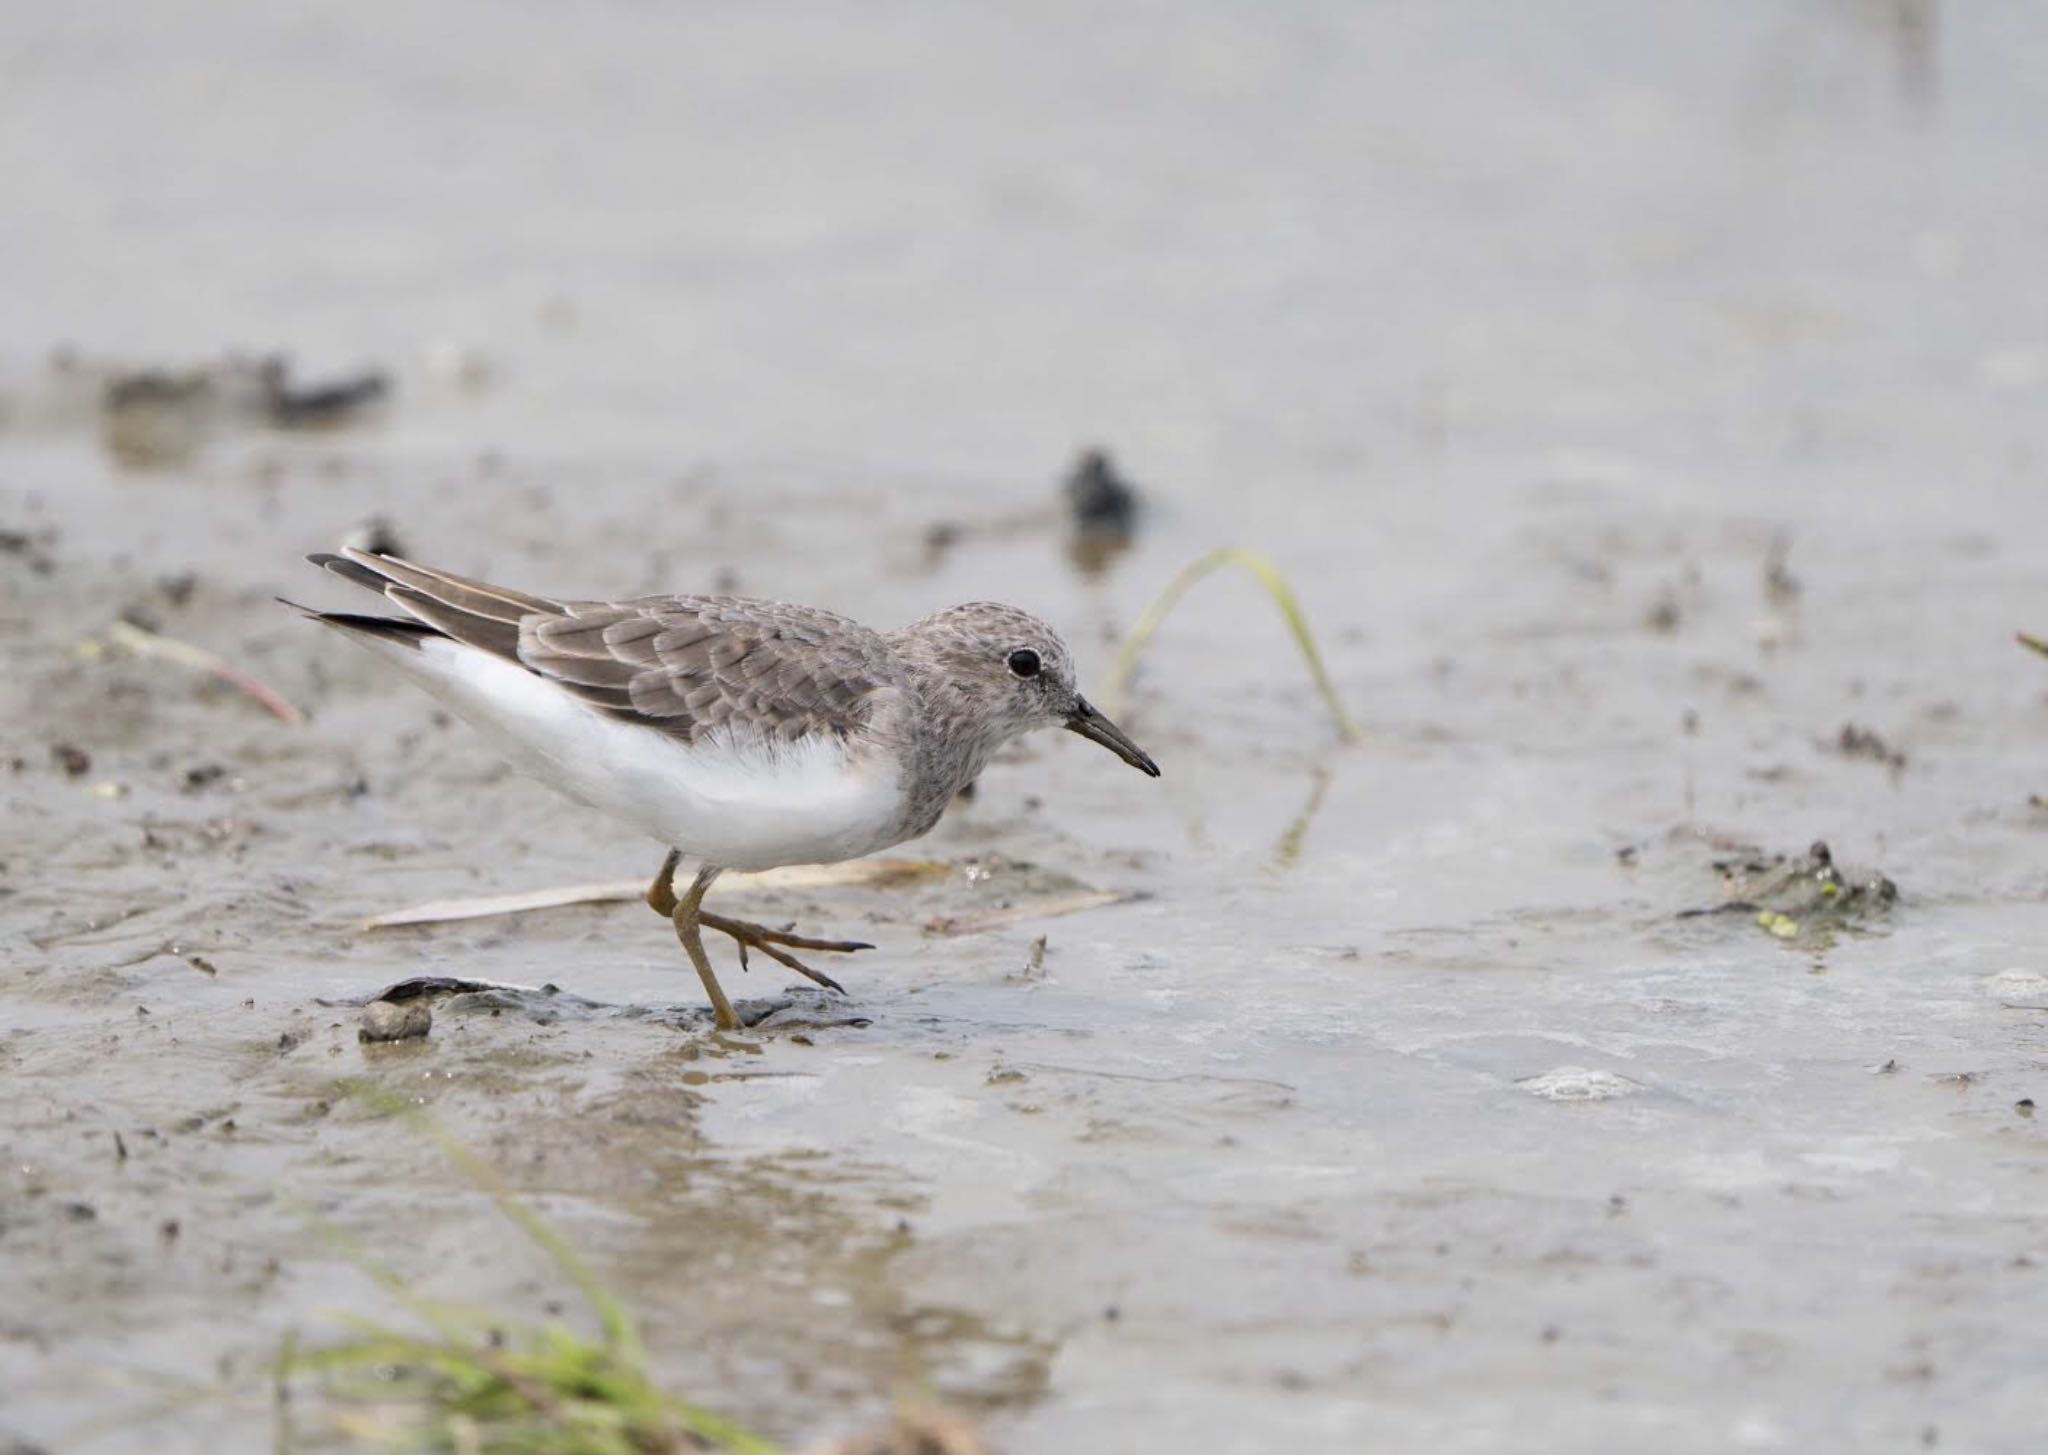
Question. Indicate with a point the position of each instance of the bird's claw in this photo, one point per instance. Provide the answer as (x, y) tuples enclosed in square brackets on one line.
[(748, 935)]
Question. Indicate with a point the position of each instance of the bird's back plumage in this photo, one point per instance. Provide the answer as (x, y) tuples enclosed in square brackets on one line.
[(723, 726), (689, 666)]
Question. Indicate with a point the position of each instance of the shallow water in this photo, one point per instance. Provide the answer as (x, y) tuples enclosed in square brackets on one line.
[(1403, 1111)]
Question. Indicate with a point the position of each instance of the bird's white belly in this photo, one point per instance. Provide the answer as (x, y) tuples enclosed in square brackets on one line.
[(731, 803)]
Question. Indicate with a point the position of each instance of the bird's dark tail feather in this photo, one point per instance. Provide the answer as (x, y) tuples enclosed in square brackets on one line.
[(402, 630)]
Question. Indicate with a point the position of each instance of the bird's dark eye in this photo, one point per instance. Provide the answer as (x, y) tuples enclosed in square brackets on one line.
[(1024, 662)]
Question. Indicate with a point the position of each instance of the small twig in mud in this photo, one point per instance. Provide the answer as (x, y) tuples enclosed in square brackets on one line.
[(1268, 576), (444, 911), (868, 873), (942, 536), (170, 649), (2037, 644), (952, 926), (1854, 741)]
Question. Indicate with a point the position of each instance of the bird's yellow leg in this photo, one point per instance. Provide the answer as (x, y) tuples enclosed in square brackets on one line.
[(661, 894), (684, 917)]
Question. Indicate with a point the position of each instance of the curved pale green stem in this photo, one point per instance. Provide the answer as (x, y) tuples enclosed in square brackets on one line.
[(2036, 643), (1268, 576), (537, 1389)]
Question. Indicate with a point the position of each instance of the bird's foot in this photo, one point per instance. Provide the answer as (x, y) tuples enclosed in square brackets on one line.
[(776, 945)]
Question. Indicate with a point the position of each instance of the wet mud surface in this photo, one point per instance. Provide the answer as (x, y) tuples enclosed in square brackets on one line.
[(1651, 425)]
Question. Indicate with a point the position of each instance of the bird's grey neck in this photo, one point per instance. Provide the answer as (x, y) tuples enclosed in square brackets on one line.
[(952, 748)]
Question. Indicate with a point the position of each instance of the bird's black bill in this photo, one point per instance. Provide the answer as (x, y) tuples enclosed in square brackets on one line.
[(1096, 728)]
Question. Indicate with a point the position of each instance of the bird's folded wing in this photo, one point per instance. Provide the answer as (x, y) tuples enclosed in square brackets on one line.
[(693, 666), (690, 666)]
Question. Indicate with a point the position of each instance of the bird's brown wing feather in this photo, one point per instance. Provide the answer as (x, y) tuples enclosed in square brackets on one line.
[(689, 666)]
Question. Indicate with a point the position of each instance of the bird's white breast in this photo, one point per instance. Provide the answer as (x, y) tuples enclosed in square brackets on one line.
[(727, 800)]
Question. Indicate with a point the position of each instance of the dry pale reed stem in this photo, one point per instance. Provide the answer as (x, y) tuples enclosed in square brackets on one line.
[(198, 659)]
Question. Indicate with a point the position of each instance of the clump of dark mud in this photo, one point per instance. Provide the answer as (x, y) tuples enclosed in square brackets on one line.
[(75, 761), (550, 1004), (33, 548), (1800, 897), (388, 1020), (1102, 512)]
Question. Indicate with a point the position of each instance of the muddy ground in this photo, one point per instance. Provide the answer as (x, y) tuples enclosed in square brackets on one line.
[(1635, 407)]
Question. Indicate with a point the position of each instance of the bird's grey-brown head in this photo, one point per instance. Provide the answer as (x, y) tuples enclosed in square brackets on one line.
[(1006, 673)]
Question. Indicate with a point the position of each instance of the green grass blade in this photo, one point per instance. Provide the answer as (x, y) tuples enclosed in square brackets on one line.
[(481, 1384), (1268, 575), (619, 1329)]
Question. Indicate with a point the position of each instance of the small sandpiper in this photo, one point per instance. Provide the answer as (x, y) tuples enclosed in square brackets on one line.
[(743, 734)]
